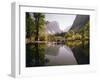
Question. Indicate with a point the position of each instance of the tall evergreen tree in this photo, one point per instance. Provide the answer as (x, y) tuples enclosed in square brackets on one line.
[(30, 26), (39, 25)]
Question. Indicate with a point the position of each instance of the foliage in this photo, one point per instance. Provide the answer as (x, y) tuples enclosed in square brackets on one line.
[(40, 24), (30, 26), (35, 26), (81, 34), (35, 55)]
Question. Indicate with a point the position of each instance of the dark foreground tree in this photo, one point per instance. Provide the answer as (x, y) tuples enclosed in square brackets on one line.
[(30, 26), (35, 26), (39, 25)]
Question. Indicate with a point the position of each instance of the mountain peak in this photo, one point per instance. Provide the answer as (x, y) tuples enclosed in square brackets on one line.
[(80, 21), (52, 27)]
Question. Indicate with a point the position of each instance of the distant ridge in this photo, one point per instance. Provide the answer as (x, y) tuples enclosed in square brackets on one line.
[(52, 27), (79, 22)]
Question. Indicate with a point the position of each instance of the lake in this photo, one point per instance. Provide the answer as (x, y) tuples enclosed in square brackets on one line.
[(39, 54)]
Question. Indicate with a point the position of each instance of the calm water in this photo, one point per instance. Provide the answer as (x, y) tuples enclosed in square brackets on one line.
[(56, 54)]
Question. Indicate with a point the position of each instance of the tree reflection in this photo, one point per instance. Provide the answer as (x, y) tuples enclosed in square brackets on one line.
[(81, 54), (35, 55)]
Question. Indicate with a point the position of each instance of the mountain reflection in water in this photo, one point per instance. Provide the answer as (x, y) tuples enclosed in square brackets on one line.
[(39, 54)]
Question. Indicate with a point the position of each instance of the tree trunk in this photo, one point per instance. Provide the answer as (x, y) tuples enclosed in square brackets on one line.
[(37, 28)]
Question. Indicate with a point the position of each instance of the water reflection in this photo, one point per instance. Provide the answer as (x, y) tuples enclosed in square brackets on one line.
[(81, 54), (63, 56), (39, 54), (35, 55)]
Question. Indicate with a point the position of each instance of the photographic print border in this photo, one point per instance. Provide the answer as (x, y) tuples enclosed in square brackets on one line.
[(16, 55)]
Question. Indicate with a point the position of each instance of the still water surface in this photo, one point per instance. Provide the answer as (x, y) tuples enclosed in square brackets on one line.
[(54, 55)]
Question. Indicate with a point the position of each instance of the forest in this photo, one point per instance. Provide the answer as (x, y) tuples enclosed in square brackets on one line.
[(59, 48), (35, 32)]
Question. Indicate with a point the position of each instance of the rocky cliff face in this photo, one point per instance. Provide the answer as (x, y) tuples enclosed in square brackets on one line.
[(80, 21), (52, 27)]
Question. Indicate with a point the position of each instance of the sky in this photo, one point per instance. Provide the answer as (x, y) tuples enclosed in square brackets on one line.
[(65, 21)]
